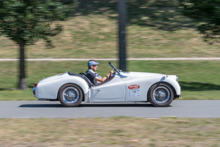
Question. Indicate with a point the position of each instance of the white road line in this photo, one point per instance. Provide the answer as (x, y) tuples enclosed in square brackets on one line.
[(111, 59)]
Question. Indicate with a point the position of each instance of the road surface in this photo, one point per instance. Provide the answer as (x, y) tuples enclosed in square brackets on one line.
[(45, 109)]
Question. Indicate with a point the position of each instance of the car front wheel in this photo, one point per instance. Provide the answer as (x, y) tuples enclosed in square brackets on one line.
[(70, 95), (160, 95)]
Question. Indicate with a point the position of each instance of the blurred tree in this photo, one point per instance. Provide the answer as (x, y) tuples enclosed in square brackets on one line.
[(207, 13), (27, 21)]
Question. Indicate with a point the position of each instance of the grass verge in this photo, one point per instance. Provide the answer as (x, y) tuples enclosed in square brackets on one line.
[(198, 79), (115, 131)]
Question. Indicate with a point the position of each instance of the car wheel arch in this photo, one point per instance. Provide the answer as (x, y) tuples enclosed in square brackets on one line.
[(174, 91), (72, 84), (161, 94)]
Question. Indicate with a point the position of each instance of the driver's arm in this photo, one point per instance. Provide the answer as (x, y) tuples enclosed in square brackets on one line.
[(100, 80)]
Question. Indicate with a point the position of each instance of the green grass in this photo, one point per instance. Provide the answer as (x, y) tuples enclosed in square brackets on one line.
[(115, 131), (155, 29), (198, 79), (201, 95), (17, 95)]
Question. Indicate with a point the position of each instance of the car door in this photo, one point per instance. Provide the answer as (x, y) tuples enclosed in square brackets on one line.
[(112, 91)]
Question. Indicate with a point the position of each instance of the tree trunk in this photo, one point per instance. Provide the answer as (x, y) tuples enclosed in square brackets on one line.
[(22, 84)]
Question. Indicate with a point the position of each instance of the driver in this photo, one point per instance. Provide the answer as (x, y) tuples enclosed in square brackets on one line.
[(93, 76)]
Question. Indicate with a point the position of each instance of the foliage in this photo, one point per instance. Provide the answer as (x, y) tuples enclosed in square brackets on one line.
[(30, 20), (27, 21), (207, 13)]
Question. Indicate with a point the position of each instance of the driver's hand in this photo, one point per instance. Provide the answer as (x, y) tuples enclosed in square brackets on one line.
[(111, 72)]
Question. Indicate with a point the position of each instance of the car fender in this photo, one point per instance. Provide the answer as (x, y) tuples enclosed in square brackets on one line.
[(50, 89), (145, 83), (171, 81)]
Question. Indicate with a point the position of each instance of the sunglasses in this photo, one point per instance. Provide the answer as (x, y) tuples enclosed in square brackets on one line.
[(94, 65)]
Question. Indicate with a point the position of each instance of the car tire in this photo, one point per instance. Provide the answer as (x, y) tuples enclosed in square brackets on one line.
[(70, 95), (161, 95)]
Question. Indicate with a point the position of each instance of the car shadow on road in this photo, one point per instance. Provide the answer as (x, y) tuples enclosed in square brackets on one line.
[(86, 105), (116, 105), (40, 105)]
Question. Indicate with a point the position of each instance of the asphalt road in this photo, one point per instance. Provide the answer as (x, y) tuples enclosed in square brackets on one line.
[(45, 109)]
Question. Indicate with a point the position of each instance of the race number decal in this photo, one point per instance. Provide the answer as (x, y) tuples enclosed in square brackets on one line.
[(134, 90)]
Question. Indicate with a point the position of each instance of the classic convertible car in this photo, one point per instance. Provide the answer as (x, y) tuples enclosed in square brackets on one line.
[(71, 89)]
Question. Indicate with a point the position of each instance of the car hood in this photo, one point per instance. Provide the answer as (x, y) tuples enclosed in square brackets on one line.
[(140, 74)]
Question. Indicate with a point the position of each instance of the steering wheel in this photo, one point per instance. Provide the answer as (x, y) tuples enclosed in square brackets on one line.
[(112, 75)]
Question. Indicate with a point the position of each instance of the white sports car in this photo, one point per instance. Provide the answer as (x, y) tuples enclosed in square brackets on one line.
[(71, 89)]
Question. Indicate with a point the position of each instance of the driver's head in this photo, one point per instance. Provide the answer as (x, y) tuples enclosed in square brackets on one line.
[(92, 64)]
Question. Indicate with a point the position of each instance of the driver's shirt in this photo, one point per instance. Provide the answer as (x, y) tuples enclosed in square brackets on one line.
[(91, 75)]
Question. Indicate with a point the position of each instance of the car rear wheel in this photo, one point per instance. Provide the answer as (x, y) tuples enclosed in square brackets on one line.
[(70, 95), (161, 95)]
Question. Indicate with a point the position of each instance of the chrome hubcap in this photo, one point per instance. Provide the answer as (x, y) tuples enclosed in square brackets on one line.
[(70, 95), (161, 94)]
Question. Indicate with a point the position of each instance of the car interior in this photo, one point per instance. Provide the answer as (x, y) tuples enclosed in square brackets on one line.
[(83, 75)]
